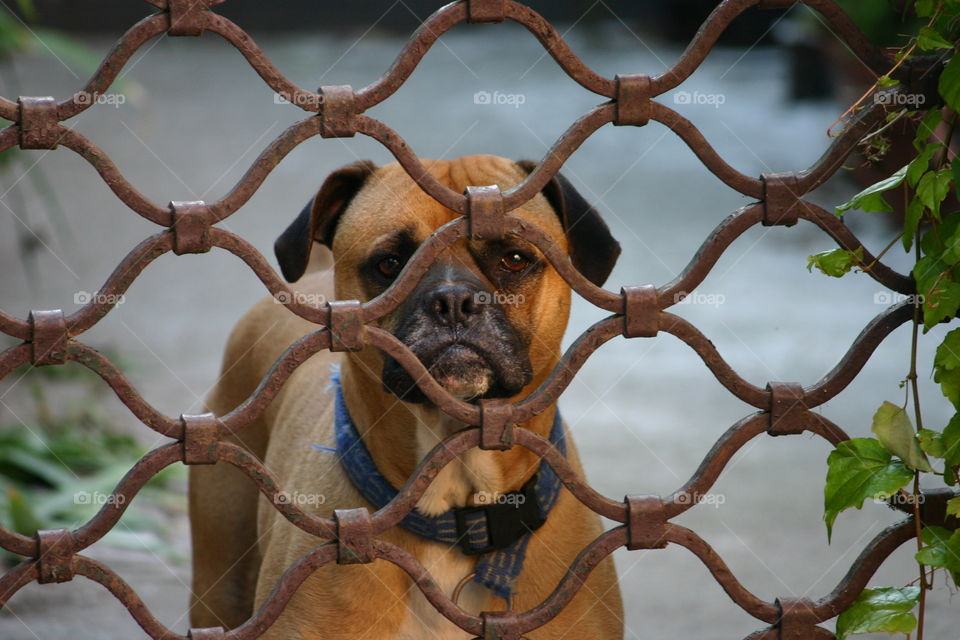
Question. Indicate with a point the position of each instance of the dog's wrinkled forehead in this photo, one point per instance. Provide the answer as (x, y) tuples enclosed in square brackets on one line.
[(391, 192)]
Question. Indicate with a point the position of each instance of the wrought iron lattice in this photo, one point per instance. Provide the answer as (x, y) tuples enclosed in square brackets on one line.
[(784, 408)]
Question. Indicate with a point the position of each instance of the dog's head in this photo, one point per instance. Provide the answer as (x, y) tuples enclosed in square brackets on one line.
[(488, 317)]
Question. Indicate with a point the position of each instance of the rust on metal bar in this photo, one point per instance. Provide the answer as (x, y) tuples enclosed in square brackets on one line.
[(788, 414), (338, 109), (39, 123), (485, 212), (186, 17), (48, 337), (641, 311), (346, 325), (190, 222), (55, 549), (201, 438), (496, 424), (633, 99), (646, 522), (354, 536)]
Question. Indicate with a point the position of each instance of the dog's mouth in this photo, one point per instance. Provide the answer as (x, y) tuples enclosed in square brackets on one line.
[(462, 371), (466, 370)]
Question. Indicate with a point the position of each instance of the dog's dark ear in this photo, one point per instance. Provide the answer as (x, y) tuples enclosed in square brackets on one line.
[(318, 220), (593, 250)]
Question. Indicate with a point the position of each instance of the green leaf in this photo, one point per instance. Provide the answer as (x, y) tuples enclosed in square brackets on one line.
[(880, 609), (949, 86), (941, 548), (931, 442), (928, 39), (951, 442), (858, 470), (932, 188), (919, 165), (953, 507), (928, 125), (941, 295), (946, 369), (836, 262), (911, 221), (870, 199), (895, 432)]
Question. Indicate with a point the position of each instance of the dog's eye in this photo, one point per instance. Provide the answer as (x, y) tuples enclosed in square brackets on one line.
[(514, 261), (390, 266)]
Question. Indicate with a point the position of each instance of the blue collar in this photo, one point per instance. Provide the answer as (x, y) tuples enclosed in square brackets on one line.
[(498, 532)]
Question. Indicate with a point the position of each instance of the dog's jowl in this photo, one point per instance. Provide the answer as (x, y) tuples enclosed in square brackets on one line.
[(348, 429)]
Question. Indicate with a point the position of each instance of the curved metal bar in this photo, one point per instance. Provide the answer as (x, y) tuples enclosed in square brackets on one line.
[(721, 573)]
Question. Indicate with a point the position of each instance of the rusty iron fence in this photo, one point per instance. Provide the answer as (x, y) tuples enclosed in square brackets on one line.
[(49, 337)]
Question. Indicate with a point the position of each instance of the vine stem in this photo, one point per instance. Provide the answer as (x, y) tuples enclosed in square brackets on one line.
[(912, 377)]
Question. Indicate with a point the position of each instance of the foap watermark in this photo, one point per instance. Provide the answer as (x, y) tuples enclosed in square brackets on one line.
[(902, 499), (912, 101), (300, 297), (712, 99), (695, 297), (486, 497), (714, 499), (99, 499), (298, 99), (498, 98), (85, 297), (112, 99), (892, 297), (498, 297), (299, 499)]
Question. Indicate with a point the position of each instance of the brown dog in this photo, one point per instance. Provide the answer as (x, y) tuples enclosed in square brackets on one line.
[(373, 219)]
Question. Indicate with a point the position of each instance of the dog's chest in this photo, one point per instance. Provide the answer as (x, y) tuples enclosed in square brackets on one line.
[(447, 565)]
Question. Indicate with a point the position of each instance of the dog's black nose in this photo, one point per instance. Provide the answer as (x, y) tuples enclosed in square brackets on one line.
[(454, 304)]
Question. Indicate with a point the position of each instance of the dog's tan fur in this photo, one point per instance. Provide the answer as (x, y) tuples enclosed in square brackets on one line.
[(242, 545)]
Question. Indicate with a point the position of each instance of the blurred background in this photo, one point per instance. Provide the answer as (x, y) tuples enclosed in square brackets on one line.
[(188, 116)]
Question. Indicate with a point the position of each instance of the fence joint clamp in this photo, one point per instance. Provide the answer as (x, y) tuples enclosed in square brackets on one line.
[(190, 222), (641, 311), (632, 106), (54, 555), (201, 435), (186, 17), (788, 414), (48, 337), (39, 124), (479, 11), (496, 425), (337, 111), (646, 522), (354, 536)]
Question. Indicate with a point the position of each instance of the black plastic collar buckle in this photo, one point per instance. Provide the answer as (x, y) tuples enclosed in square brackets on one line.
[(509, 518)]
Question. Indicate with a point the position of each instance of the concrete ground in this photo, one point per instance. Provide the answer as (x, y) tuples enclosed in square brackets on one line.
[(644, 412)]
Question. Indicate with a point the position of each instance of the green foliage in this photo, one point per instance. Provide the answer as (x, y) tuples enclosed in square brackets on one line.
[(836, 262), (895, 432), (61, 465), (880, 609), (860, 469), (941, 548)]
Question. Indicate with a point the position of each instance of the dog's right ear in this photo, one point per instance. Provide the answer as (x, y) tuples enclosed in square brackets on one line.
[(318, 220)]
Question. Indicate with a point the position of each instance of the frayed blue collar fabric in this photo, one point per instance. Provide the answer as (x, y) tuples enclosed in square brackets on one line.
[(497, 532)]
